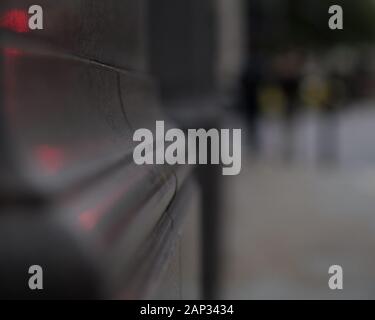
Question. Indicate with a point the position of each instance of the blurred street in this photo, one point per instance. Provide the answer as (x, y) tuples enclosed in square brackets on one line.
[(299, 218)]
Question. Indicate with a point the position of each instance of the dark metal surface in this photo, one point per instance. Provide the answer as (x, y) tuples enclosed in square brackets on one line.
[(110, 32), (71, 198)]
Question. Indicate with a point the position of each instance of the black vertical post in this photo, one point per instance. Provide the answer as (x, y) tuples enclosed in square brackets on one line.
[(211, 229)]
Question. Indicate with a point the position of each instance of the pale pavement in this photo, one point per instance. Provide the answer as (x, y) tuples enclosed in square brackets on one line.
[(288, 223)]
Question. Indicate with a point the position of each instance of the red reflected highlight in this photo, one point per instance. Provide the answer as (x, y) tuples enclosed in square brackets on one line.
[(89, 219), (12, 52), (11, 56), (50, 158), (15, 20)]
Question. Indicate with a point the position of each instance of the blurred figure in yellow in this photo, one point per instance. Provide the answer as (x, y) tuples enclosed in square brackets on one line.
[(288, 67)]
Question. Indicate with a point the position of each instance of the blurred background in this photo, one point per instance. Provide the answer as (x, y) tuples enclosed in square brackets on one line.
[(304, 97)]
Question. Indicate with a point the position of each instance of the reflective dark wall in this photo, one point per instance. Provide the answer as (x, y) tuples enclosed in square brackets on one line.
[(182, 46), (111, 31)]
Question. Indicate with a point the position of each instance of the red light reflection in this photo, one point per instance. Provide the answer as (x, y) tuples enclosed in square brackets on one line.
[(50, 158), (12, 52), (15, 20), (89, 219)]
